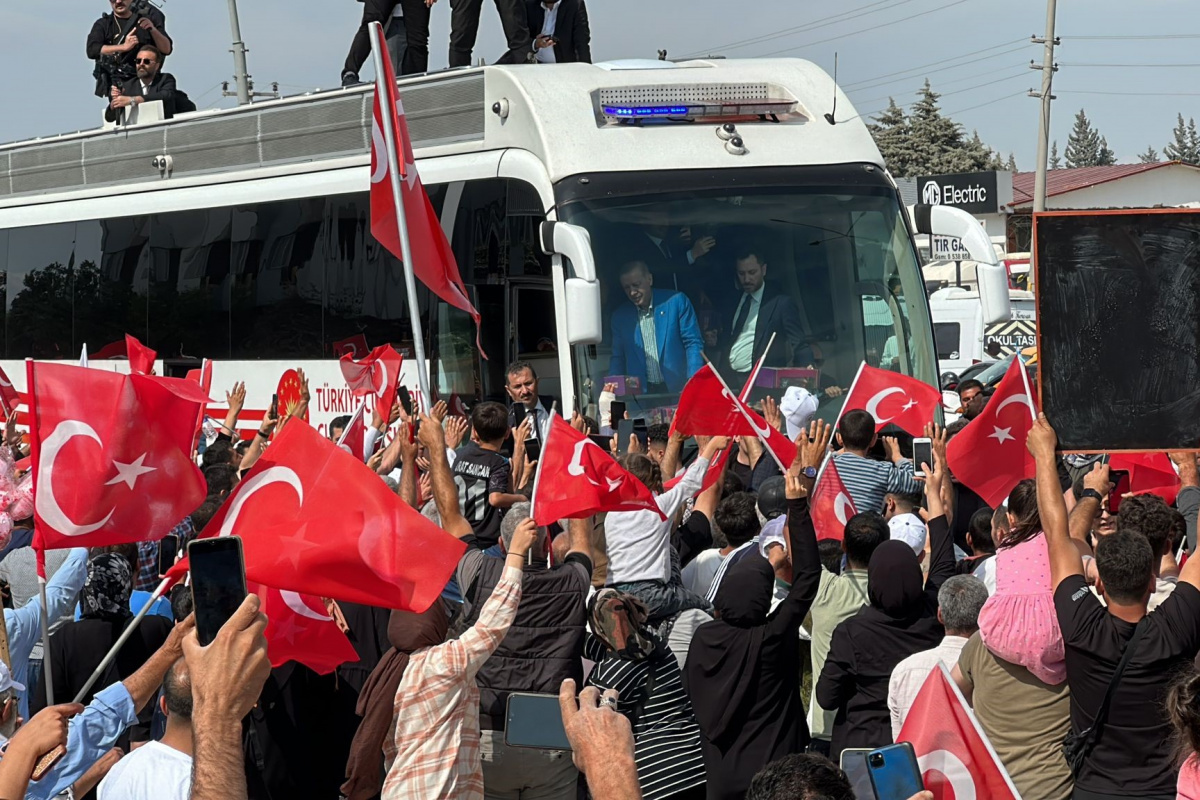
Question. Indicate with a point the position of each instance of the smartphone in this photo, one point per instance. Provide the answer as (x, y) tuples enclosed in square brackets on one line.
[(895, 774), (218, 583), (47, 762), (535, 720), (168, 548), (275, 406), (922, 454), (624, 431), (519, 412), (533, 449), (1119, 478), (405, 400), (616, 413), (854, 764), (642, 431)]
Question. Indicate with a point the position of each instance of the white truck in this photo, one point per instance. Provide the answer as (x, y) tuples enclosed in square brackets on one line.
[(961, 336)]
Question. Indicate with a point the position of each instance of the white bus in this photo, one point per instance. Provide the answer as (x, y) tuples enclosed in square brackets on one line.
[(243, 235)]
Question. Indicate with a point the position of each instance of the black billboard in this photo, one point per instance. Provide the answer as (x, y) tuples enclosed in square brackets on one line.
[(973, 192)]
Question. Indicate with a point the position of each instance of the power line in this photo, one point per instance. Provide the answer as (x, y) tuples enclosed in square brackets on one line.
[(823, 22), (988, 103), (934, 72), (1133, 37), (865, 30), (1022, 73), (1131, 94), (1129, 66), (942, 64)]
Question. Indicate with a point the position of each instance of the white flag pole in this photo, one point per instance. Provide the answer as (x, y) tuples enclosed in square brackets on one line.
[(410, 280), (48, 672), (537, 479), (741, 407)]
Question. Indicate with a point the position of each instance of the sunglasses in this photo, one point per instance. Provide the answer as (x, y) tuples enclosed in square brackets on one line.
[(145, 61)]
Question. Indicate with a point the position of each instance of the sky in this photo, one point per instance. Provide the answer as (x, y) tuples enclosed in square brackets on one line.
[(975, 52)]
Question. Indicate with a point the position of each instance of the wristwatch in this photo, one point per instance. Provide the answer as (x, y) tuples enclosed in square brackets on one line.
[(1092, 493), (810, 473)]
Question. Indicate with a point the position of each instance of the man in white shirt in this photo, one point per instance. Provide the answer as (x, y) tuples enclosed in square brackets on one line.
[(160, 770), (959, 602), (561, 31), (521, 383)]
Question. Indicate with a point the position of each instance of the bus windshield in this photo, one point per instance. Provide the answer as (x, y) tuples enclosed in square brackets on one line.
[(812, 267)]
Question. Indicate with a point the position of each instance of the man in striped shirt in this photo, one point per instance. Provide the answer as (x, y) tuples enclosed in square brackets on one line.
[(868, 480)]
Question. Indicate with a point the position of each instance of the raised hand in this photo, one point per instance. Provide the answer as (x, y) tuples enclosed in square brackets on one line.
[(456, 431), (772, 414), (1042, 440)]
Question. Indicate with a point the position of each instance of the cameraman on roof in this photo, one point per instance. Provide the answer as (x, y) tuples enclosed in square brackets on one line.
[(116, 38)]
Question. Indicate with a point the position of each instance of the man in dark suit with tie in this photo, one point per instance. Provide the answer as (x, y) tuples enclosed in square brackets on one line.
[(561, 31), (761, 310), (149, 85)]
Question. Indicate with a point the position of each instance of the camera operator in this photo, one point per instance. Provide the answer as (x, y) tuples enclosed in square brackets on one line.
[(150, 84), (116, 38)]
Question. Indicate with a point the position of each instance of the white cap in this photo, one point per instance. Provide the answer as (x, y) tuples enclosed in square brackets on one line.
[(772, 533), (798, 407), (910, 529), (6, 680)]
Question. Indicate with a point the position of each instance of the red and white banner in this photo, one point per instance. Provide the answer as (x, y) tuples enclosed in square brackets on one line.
[(375, 375), (956, 759), (299, 628), (893, 398), (832, 506)]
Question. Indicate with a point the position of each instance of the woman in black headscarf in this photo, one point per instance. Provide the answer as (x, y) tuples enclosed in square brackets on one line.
[(900, 620), (743, 669)]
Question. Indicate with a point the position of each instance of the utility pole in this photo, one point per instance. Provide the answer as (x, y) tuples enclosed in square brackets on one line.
[(240, 70), (1048, 69)]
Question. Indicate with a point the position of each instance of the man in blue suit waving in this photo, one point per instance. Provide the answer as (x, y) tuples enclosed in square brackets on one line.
[(656, 337)]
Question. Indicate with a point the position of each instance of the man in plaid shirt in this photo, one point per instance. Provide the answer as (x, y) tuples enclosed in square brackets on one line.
[(147, 579)]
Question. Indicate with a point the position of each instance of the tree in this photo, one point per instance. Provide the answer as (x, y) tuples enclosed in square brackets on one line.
[(1149, 157), (1055, 160), (1011, 164), (1086, 147), (1186, 144), (892, 136)]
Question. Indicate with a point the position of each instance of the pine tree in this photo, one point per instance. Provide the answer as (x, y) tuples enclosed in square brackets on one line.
[(1084, 145), (1181, 149), (891, 132), (1149, 157), (1193, 139), (1055, 159), (1011, 164), (1105, 157)]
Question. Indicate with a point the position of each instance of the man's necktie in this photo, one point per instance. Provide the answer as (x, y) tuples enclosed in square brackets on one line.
[(743, 314)]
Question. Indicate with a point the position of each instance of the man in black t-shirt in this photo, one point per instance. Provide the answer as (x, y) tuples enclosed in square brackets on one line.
[(483, 475), (1133, 756), (115, 39)]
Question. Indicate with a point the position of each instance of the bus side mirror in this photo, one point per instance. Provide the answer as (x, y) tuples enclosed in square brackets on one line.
[(582, 308), (989, 272)]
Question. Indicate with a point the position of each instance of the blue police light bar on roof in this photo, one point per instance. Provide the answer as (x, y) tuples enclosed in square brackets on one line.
[(692, 103)]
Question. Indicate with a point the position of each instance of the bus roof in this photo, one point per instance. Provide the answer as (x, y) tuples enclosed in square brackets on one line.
[(558, 114)]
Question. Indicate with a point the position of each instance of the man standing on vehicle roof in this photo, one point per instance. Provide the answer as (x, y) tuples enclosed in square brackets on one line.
[(411, 16), (464, 27), (115, 39)]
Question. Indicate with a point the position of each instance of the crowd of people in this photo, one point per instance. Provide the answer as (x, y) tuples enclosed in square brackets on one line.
[(717, 649)]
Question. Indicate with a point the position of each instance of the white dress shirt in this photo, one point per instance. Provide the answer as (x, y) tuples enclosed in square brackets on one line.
[(910, 674), (741, 353), (545, 55)]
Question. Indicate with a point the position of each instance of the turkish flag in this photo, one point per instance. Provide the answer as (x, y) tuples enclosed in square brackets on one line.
[(707, 407), (141, 358), (433, 260), (832, 506), (954, 754), (314, 519), (354, 347), (375, 375), (718, 463), (9, 398), (1149, 473), (111, 455), (300, 629), (117, 349), (354, 437), (893, 398), (989, 455), (584, 479)]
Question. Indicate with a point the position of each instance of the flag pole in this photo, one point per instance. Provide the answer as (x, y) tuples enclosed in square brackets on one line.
[(410, 281), (1028, 388), (745, 395), (742, 410), (849, 394), (48, 675), (537, 479), (112, 652)]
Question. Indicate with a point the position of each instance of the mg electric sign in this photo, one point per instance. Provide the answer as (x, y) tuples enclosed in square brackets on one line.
[(973, 192)]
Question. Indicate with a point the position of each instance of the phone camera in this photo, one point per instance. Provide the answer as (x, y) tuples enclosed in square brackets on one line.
[(875, 760)]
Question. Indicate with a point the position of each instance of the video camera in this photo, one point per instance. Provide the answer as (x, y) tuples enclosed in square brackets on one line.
[(114, 70)]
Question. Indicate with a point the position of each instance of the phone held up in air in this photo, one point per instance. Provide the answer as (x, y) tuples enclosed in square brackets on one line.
[(1119, 478), (616, 413), (853, 762), (168, 549), (922, 454), (624, 433), (218, 583), (535, 720), (275, 406), (895, 774)]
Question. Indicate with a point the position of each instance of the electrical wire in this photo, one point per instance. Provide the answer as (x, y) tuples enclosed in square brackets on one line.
[(1135, 37), (1128, 94), (1127, 66), (1013, 76), (865, 30), (988, 103), (811, 25), (940, 65), (925, 76)]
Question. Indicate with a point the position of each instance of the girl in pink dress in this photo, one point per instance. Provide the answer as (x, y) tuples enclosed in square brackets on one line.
[(1018, 622)]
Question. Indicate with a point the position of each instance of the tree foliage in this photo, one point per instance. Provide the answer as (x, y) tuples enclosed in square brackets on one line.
[(926, 142), (1185, 145), (1086, 147)]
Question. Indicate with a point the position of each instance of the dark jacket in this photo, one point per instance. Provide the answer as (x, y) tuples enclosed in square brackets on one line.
[(161, 88), (778, 314), (571, 29), (108, 30), (544, 646)]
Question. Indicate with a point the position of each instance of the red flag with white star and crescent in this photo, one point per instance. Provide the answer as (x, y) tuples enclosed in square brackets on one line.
[(989, 455), (893, 398), (111, 455), (300, 628)]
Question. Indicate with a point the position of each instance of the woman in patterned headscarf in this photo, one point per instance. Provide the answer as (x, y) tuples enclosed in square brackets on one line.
[(78, 647), (631, 659)]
